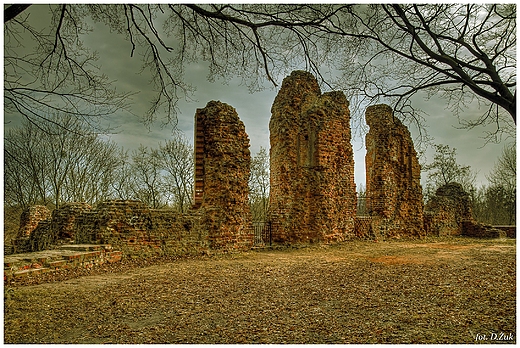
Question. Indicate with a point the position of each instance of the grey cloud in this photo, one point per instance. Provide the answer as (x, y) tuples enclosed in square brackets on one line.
[(253, 109)]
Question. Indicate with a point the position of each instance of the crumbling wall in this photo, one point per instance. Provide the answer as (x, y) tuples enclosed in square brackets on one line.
[(65, 217), (393, 174), (449, 213), (224, 174), (446, 210), (132, 227), (129, 226), (29, 221), (312, 192), (41, 229)]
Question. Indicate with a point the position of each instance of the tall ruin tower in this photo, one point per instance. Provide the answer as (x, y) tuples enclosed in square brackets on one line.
[(312, 193), (393, 176), (222, 167)]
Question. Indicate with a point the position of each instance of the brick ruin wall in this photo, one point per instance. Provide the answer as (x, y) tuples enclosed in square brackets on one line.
[(449, 213), (312, 190), (393, 175), (127, 225), (446, 211), (223, 173), (29, 221)]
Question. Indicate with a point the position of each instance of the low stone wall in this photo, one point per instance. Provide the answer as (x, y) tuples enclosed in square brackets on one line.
[(64, 257), (64, 219), (135, 229), (128, 225), (510, 231)]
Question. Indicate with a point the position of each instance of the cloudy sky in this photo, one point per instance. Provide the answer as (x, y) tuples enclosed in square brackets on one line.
[(253, 109)]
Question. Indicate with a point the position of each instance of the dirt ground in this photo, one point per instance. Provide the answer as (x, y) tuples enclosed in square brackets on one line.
[(456, 290)]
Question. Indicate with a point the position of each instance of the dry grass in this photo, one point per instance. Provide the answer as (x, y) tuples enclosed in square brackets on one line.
[(439, 291)]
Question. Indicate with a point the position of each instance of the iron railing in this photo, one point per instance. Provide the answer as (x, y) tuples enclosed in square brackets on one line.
[(263, 234)]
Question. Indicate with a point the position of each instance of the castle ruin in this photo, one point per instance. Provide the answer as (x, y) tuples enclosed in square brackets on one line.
[(312, 195)]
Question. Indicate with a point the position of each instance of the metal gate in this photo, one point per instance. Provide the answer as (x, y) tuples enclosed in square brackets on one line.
[(263, 235)]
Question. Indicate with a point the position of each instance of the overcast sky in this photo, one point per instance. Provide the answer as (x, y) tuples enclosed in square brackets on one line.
[(254, 110)]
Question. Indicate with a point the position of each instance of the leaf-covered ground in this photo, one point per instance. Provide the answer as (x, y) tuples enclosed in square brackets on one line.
[(436, 291)]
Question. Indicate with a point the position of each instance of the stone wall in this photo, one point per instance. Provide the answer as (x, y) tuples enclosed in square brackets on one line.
[(223, 176), (449, 213), (446, 211), (129, 226), (134, 228), (312, 191), (29, 221), (393, 174), (41, 229), (65, 217)]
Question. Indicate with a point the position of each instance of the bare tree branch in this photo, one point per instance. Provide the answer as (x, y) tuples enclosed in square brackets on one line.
[(14, 10)]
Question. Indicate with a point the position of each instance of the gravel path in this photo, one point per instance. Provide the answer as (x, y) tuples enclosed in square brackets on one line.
[(447, 291)]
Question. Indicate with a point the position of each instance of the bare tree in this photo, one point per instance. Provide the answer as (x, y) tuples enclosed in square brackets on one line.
[(176, 156), (148, 182), (91, 173), (46, 163), (259, 185), (494, 205), (25, 164), (444, 169), (122, 184), (49, 70), (460, 52), (504, 172), (502, 181)]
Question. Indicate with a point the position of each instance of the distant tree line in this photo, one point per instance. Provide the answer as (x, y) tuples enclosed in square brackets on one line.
[(51, 163)]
